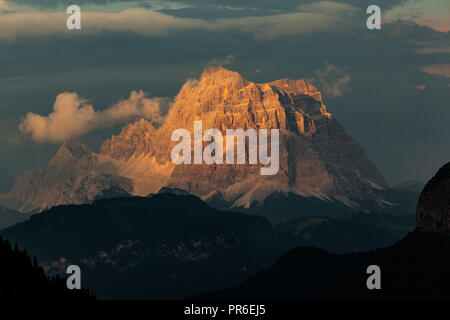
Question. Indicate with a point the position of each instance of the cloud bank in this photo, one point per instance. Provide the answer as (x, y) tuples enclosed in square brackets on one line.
[(73, 116), (316, 17)]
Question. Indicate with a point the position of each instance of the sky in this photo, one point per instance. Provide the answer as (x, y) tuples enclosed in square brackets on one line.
[(390, 88)]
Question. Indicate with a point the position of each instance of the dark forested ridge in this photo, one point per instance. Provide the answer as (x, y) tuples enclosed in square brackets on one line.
[(161, 247), (173, 244), (21, 278)]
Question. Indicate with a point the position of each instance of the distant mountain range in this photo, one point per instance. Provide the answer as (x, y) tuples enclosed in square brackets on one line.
[(172, 244), (10, 217), (323, 171)]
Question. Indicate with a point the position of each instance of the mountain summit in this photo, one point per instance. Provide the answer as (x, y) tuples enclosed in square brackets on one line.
[(318, 159), (319, 162), (73, 148)]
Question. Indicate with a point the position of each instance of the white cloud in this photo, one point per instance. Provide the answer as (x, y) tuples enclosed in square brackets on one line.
[(73, 116), (332, 80)]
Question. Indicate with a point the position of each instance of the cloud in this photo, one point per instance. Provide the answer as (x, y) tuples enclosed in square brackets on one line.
[(284, 4), (57, 3), (437, 69), (437, 22), (433, 50), (191, 83), (223, 61), (433, 14), (332, 80), (421, 86), (4, 6), (326, 6), (73, 116), (319, 17)]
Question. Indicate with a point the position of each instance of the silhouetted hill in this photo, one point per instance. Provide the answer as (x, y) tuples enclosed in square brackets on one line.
[(415, 267), (433, 211), (22, 279)]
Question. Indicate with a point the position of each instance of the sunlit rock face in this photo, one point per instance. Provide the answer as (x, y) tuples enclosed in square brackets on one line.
[(317, 157), (433, 210)]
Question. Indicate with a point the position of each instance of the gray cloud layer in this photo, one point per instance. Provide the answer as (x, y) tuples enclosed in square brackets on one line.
[(316, 17), (265, 4)]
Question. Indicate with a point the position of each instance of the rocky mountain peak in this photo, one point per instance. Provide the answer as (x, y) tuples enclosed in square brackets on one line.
[(72, 149), (323, 166), (219, 76), (433, 210), (318, 159), (134, 139), (76, 148)]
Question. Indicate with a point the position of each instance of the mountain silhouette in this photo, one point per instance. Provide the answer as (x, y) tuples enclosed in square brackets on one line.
[(163, 246), (415, 267)]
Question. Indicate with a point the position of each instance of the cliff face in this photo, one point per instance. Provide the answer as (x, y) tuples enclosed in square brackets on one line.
[(317, 157), (433, 210)]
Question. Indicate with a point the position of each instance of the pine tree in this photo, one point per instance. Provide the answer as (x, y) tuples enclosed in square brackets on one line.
[(35, 262)]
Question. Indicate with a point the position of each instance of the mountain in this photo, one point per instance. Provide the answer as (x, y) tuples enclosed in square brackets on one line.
[(172, 244), (321, 166), (10, 217), (74, 175), (164, 246), (22, 279), (433, 211), (322, 170), (415, 267)]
